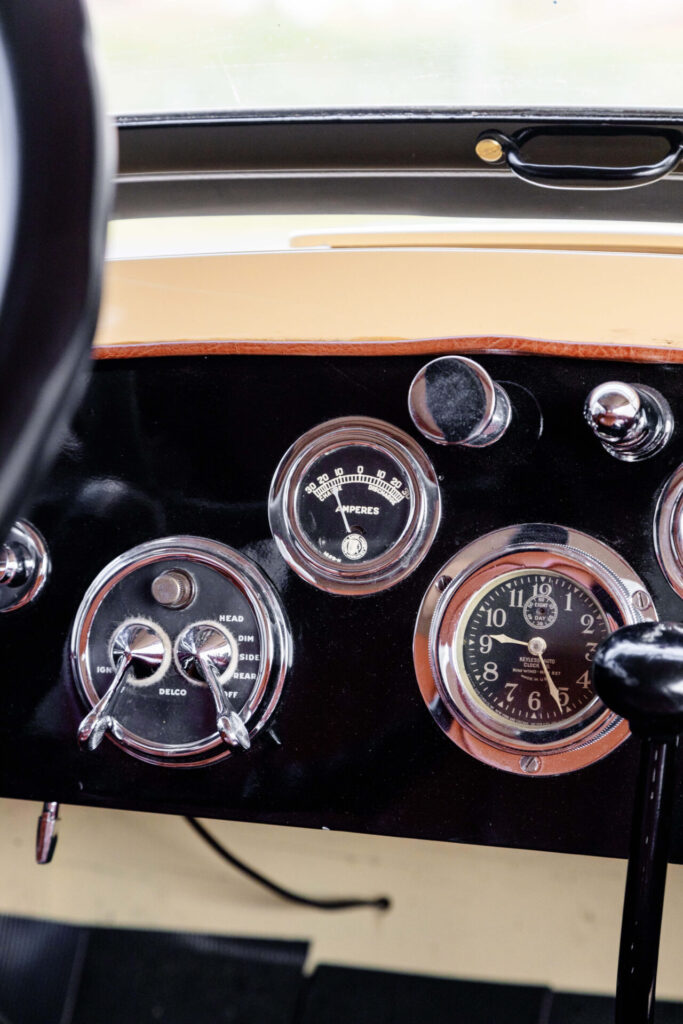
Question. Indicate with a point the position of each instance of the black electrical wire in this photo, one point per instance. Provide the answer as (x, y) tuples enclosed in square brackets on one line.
[(381, 903)]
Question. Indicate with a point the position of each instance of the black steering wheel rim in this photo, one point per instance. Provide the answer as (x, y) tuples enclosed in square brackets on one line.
[(55, 205)]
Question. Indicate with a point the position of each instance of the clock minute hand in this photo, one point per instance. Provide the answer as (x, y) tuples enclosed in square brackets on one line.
[(554, 692)]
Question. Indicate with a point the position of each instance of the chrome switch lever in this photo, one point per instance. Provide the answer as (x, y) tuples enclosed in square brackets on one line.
[(632, 422), (137, 645), (204, 651)]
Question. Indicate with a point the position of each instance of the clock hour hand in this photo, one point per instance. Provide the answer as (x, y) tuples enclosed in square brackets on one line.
[(535, 646), (503, 639)]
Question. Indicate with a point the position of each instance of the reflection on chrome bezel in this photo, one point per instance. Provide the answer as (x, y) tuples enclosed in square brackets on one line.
[(25, 535), (415, 540), (273, 629), (668, 530), (445, 688)]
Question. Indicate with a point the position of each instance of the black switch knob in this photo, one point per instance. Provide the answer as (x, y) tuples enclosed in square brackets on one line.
[(453, 400), (638, 673)]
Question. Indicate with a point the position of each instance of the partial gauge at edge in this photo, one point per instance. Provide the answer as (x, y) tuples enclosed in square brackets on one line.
[(354, 505), (504, 643)]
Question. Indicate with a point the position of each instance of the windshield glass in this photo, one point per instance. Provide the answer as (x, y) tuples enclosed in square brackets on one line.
[(241, 55)]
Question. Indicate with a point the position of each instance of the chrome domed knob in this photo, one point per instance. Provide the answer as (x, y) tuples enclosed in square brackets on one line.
[(632, 422), (139, 647), (615, 411), (202, 645), (453, 400)]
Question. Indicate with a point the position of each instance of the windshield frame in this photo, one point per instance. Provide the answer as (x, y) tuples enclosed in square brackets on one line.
[(381, 161)]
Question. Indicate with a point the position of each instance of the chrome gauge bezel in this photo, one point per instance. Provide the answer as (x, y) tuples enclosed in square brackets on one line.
[(274, 636), (445, 687), (416, 538), (25, 537), (668, 530)]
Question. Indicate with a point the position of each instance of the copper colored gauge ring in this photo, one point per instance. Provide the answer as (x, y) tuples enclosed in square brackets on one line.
[(565, 746), (273, 629), (401, 557)]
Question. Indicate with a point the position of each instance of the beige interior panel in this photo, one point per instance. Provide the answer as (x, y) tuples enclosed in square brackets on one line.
[(464, 911), (621, 299)]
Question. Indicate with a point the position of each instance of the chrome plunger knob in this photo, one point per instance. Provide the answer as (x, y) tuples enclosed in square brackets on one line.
[(206, 652), (139, 647), (173, 589), (631, 422), (453, 400)]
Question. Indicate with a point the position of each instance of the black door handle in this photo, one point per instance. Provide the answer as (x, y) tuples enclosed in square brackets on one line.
[(576, 176)]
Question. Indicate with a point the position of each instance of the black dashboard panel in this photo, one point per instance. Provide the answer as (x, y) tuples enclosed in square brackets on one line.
[(188, 446)]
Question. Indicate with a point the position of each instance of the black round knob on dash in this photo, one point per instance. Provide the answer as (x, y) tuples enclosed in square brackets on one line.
[(638, 673), (452, 400)]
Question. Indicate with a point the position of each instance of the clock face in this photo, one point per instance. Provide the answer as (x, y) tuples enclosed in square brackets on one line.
[(527, 643)]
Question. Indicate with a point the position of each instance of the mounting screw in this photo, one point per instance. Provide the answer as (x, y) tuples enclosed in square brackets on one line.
[(641, 600), (442, 583), (530, 764), (489, 150)]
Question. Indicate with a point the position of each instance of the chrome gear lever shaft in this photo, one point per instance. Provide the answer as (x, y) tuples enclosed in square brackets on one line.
[(136, 645), (205, 651)]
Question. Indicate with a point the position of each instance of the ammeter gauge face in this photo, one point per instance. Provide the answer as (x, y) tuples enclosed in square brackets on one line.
[(354, 505), (504, 643)]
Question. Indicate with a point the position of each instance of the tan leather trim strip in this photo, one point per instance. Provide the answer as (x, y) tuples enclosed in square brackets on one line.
[(527, 346), (586, 305)]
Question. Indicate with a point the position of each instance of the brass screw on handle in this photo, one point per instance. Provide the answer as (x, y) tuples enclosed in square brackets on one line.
[(489, 150)]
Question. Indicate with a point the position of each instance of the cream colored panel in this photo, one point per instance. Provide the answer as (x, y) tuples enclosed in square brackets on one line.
[(184, 236), (386, 294), (458, 910)]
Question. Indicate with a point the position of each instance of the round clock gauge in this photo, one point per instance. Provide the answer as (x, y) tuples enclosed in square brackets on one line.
[(505, 640)]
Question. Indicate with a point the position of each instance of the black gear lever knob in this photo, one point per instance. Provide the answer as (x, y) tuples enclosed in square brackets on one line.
[(638, 673)]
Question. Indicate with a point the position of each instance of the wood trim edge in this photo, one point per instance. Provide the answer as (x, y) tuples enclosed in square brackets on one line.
[(436, 346)]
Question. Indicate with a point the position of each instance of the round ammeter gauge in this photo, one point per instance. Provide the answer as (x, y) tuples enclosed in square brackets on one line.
[(354, 506), (504, 643), (179, 650)]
